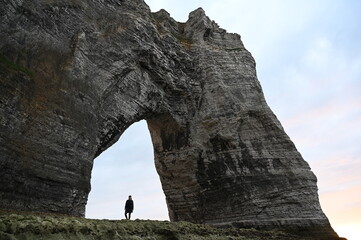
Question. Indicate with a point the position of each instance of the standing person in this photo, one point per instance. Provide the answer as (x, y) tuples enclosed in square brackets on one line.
[(129, 206)]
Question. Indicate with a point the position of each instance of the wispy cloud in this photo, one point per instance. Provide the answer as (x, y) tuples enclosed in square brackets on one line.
[(337, 173)]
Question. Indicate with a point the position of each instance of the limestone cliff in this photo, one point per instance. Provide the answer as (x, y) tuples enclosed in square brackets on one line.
[(74, 75)]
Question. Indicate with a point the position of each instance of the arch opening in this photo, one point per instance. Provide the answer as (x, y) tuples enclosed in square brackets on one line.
[(127, 168)]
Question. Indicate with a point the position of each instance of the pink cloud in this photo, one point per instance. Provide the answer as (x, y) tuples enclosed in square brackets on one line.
[(337, 173), (342, 207), (331, 109)]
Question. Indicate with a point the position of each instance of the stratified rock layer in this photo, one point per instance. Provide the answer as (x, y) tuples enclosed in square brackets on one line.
[(74, 75)]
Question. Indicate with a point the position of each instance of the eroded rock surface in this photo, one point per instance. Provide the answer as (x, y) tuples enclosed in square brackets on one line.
[(74, 75)]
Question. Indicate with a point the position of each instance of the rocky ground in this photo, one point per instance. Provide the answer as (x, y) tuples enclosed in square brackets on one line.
[(30, 226)]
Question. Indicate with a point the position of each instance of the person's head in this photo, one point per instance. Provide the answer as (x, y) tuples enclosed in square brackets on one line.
[(130, 197)]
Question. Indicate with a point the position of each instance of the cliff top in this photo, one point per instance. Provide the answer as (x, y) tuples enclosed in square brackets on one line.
[(53, 227)]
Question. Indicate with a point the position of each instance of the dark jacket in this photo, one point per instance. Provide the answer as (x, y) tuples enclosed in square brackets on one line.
[(129, 206)]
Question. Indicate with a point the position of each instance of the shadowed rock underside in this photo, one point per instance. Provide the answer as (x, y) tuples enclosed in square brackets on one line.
[(74, 75)]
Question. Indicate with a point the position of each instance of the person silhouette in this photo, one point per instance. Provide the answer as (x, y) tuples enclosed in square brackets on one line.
[(129, 206)]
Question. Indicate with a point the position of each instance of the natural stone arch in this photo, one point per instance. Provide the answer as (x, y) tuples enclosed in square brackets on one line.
[(76, 74), (127, 168)]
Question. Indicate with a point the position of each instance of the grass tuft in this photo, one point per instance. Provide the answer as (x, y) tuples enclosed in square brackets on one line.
[(9, 64)]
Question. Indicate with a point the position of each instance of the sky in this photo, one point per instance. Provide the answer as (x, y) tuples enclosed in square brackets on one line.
[(308, 56)]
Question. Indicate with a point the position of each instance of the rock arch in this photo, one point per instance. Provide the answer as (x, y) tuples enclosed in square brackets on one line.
[(76, 74)]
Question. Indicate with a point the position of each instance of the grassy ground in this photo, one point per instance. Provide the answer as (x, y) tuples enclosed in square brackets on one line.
[(30, 226)]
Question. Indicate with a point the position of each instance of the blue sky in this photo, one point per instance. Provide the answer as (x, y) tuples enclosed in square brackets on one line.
[(308, 56)]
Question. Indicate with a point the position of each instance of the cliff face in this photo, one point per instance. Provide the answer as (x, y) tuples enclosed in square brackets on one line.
[(74, 75)]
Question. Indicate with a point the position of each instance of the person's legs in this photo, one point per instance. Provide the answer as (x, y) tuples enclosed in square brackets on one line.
[(127, 215)]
